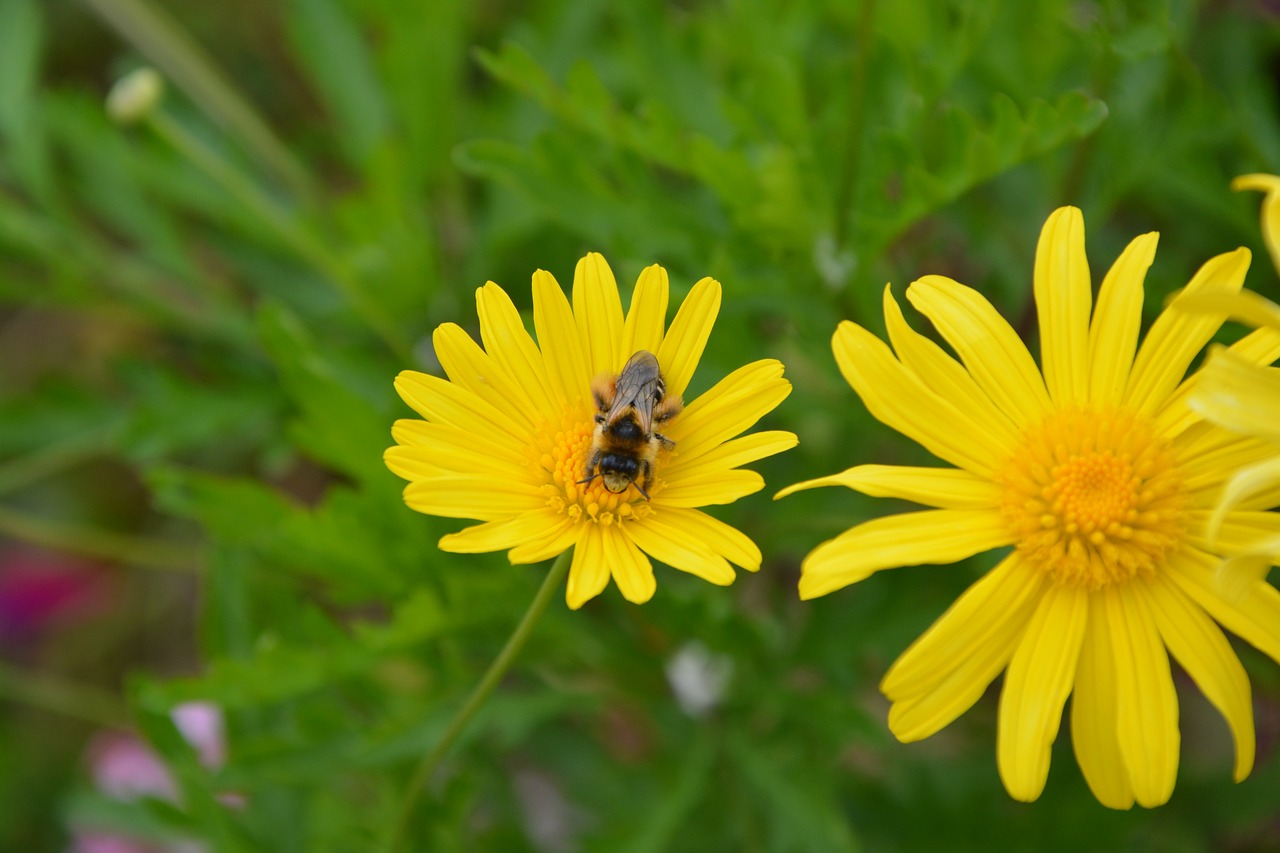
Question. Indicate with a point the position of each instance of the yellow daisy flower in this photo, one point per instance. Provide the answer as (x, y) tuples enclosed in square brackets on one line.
[(1243, 397), (1102, 478), (505, 439)]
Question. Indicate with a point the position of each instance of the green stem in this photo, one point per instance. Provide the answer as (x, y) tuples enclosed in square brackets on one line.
[(555, 577), (158, 37), (301, 241), (847, 188), (49, 459), (103, 544), (89, 704)]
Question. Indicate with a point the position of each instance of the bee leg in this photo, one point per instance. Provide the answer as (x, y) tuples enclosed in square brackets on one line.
[(665, 442), (667, 409), (645, 470), (592, 462)]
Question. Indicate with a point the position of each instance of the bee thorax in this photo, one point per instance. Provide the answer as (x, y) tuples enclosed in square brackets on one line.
[(626, 429)]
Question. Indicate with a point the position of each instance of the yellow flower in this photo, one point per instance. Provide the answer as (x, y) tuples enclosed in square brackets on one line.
[(1243, 397), (505, 439), (1102, 479)]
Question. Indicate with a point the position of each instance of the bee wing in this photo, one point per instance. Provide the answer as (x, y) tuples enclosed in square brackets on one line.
[(637, 388)]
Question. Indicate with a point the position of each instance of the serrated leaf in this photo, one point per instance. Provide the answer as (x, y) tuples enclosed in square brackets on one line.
[(233, 510), (339, 425), (277, 671), (803, 815)]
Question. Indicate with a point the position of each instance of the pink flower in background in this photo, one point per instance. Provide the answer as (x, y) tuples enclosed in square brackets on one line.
[(124, 768), (202, 726), (102, 842), (39, 587)]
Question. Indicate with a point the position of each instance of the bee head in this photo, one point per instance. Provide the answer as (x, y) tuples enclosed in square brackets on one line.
[(618, 471)]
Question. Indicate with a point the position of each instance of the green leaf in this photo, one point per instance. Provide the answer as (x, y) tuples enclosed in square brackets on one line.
[(801, 812), (20, 43), (335, 55), (277, 671), (339, 425)]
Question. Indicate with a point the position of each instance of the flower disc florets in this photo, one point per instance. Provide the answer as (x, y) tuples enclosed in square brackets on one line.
[(1094, 497)]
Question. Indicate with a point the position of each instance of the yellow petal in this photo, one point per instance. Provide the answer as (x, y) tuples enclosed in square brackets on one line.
[(558, 536), (632, 571), (927, 714), (1094, 727), (1254, 618), (1246, 307), (1259, 347), (472, 496), (1036, 687), (597, 308), (664, 540), (567, 368), (991, 612), (1063, 299), (509, 344), (648, 315), (1247, 483), (730, 407), (1212, 457), (707, 488), (440, 441), (1238, 531), (1270, 185), (1113, 335), (1239, 396), (421, 462), (945, 488), (470, 367), (681, 348), (731, 454), (1240, 574), (589, 572), (1199, 645), (988, 346), (946, 377), (729, 542), (414, 466), (501, 535), (440, 400), (935, 536), (1177, 336), (898, 399), (1146, 705)]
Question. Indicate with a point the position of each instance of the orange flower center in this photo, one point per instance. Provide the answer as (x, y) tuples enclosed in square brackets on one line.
[(1094, 497), (564, 460)]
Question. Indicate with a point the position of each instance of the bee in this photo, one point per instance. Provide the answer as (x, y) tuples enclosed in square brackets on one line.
[(628, 406)]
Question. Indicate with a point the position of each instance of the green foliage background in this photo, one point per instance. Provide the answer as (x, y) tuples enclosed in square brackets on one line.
[(200, 319)]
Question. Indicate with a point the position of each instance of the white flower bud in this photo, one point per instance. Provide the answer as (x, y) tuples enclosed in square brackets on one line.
[(135, 95)]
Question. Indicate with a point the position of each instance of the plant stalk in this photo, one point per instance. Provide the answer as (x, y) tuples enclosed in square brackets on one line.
[(555, 577)]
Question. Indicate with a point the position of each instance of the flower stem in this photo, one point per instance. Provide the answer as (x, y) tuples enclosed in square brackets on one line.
[(100, 544), (162, 40), (555, 577), (287, 226), (49, 459), (80, 702)]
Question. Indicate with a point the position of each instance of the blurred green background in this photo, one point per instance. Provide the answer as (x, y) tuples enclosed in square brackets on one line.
[(201, 315)]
